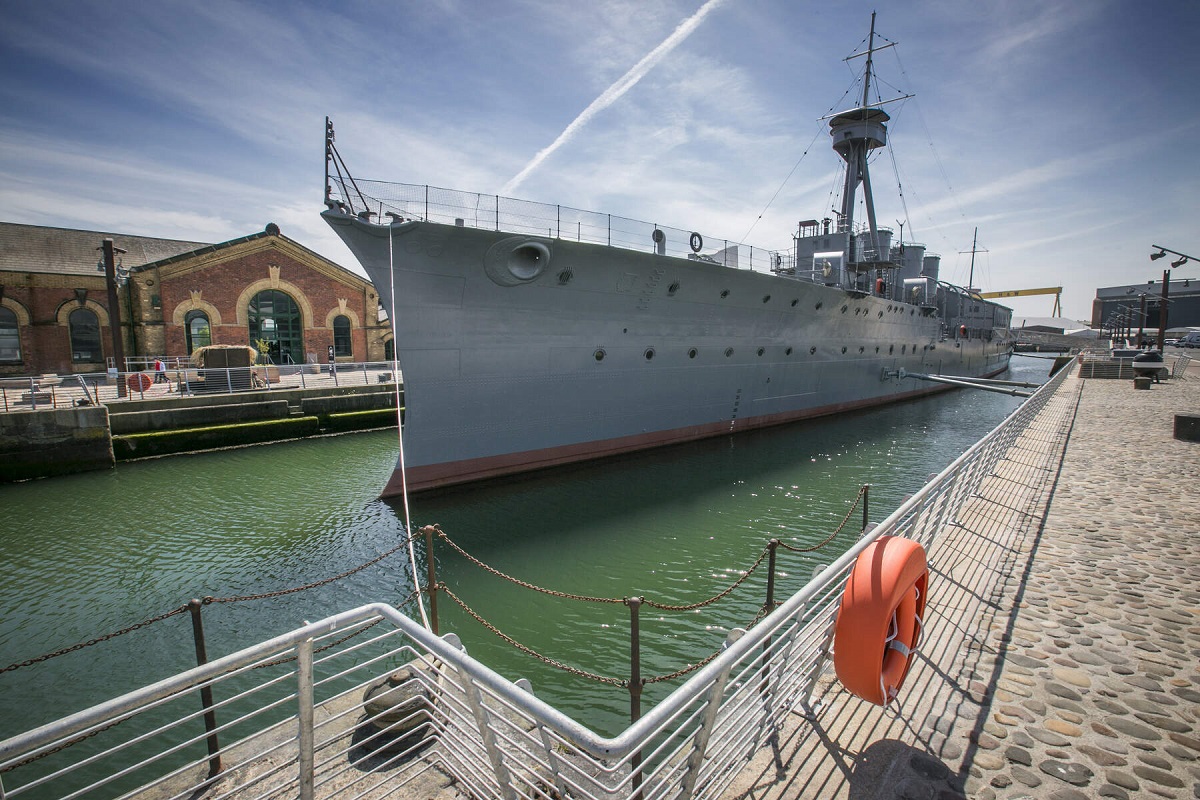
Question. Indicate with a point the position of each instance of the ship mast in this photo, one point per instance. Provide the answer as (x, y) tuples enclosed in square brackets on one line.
[(855, 133)]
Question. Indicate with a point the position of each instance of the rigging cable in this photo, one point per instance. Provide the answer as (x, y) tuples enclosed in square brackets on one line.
[(412, 555), (758, 219)]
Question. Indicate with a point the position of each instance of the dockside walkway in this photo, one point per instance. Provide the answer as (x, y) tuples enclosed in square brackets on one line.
[(1062, 653)]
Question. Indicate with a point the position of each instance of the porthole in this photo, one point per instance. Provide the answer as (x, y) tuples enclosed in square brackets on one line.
[(673, 288), (692, 353), (891, 349), (728, 352), (766, 298), (861, 349), (724, 293), (876, 348), (889, 307), (599, 354), (649, 353), (787, 352), (794, 301), (843, 350), (881, 315), (857, 311), (760, 352), (812, 351), (818, 306), (903, 349), (564, 277), (845, 309)]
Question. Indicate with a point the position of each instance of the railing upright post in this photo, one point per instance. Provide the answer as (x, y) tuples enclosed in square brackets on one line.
[(635, 683), (707, 722), (206, 697), (431, 570), (866, 493), (768, 607), (427, 202), (306, 736)]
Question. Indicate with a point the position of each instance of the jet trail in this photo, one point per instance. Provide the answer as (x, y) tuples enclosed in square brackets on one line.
[(614, 92)]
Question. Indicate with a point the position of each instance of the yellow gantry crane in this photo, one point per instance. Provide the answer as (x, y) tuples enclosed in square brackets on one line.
[(1054, 290)]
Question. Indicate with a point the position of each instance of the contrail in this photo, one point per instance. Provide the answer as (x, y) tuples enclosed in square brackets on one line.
[(614, 92)]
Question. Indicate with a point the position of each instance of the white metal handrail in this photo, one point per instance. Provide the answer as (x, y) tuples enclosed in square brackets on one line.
[(303, 728)]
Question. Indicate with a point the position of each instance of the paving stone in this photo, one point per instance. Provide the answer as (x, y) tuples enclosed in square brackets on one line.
[(1026, 777), (1186, 741), (1065, 728), (1158, 776), (1048, 737), (1108, 790), (1101, 757), (1074, 677), (1122, 779), (1070, 772), (1023, 739), (1131, 728)]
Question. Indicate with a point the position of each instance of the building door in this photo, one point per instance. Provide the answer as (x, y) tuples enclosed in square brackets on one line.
[(275, 319)]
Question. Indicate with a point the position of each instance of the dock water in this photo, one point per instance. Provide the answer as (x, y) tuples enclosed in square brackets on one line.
[(1062, 651)]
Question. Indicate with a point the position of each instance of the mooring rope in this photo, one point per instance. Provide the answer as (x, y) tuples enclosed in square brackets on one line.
[(412, 554)]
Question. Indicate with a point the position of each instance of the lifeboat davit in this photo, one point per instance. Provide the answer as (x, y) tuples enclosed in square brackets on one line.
[(879, 622)]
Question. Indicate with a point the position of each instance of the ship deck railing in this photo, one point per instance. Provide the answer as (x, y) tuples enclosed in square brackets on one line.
[(287, 717), (385, 201)]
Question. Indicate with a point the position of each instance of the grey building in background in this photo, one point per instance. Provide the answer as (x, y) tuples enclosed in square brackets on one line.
[(1140, 304)]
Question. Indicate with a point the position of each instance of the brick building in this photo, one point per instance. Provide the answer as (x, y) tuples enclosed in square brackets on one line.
[(264, 290)]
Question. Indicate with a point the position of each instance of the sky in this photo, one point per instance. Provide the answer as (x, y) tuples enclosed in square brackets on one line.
[(1062, 130)]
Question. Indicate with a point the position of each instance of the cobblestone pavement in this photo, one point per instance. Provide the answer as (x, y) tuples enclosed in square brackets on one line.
[(1062, 657)]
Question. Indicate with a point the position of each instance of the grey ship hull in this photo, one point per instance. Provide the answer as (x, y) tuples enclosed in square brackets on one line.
[(522, 352)]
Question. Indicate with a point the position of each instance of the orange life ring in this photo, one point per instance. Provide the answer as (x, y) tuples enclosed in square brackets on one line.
[(880, 285), (879, 622), (139, 382)]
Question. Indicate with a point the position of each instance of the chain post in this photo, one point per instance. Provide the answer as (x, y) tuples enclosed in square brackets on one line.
[(866, 495), (635, 684), (433, 614), (206, 697)]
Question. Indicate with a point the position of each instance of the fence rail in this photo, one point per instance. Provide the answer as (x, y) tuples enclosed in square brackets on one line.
[(40, 392), (367, 701)]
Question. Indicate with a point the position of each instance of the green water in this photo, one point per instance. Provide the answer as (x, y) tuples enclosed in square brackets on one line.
[(87, 555)]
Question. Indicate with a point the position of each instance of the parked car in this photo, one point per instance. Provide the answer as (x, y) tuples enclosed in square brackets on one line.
[(1170, 342), (1191, 340)]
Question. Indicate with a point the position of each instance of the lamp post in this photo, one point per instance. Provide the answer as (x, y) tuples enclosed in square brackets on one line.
[(114, 308), (1179, 262)]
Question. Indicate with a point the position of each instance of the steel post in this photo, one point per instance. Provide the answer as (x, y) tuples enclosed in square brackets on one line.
[(206, 697)]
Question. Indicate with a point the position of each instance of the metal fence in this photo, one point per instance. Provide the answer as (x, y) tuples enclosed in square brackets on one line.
[(368, 703), (398, 201), (33, 393)]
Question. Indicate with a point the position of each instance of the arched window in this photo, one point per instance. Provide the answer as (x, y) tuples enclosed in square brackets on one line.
[(85, 337), (275, 318), (341, 336), (389, 350), (197, 330), (10, 337)]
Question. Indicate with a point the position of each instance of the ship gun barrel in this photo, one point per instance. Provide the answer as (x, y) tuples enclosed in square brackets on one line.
[(1003, 387)]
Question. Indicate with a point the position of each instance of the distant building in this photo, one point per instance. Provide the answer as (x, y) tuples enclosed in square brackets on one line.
[(1118, 306), (175, 296)]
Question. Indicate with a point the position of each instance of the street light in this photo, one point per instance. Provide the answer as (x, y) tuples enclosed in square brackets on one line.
[(1166, 290)]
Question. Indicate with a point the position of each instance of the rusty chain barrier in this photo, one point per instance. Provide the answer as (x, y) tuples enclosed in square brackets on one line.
[(208, 600)]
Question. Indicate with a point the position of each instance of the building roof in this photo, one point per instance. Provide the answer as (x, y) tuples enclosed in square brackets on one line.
[(34, 248)]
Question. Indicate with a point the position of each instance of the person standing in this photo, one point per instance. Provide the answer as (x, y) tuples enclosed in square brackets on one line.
[(160, 371)]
